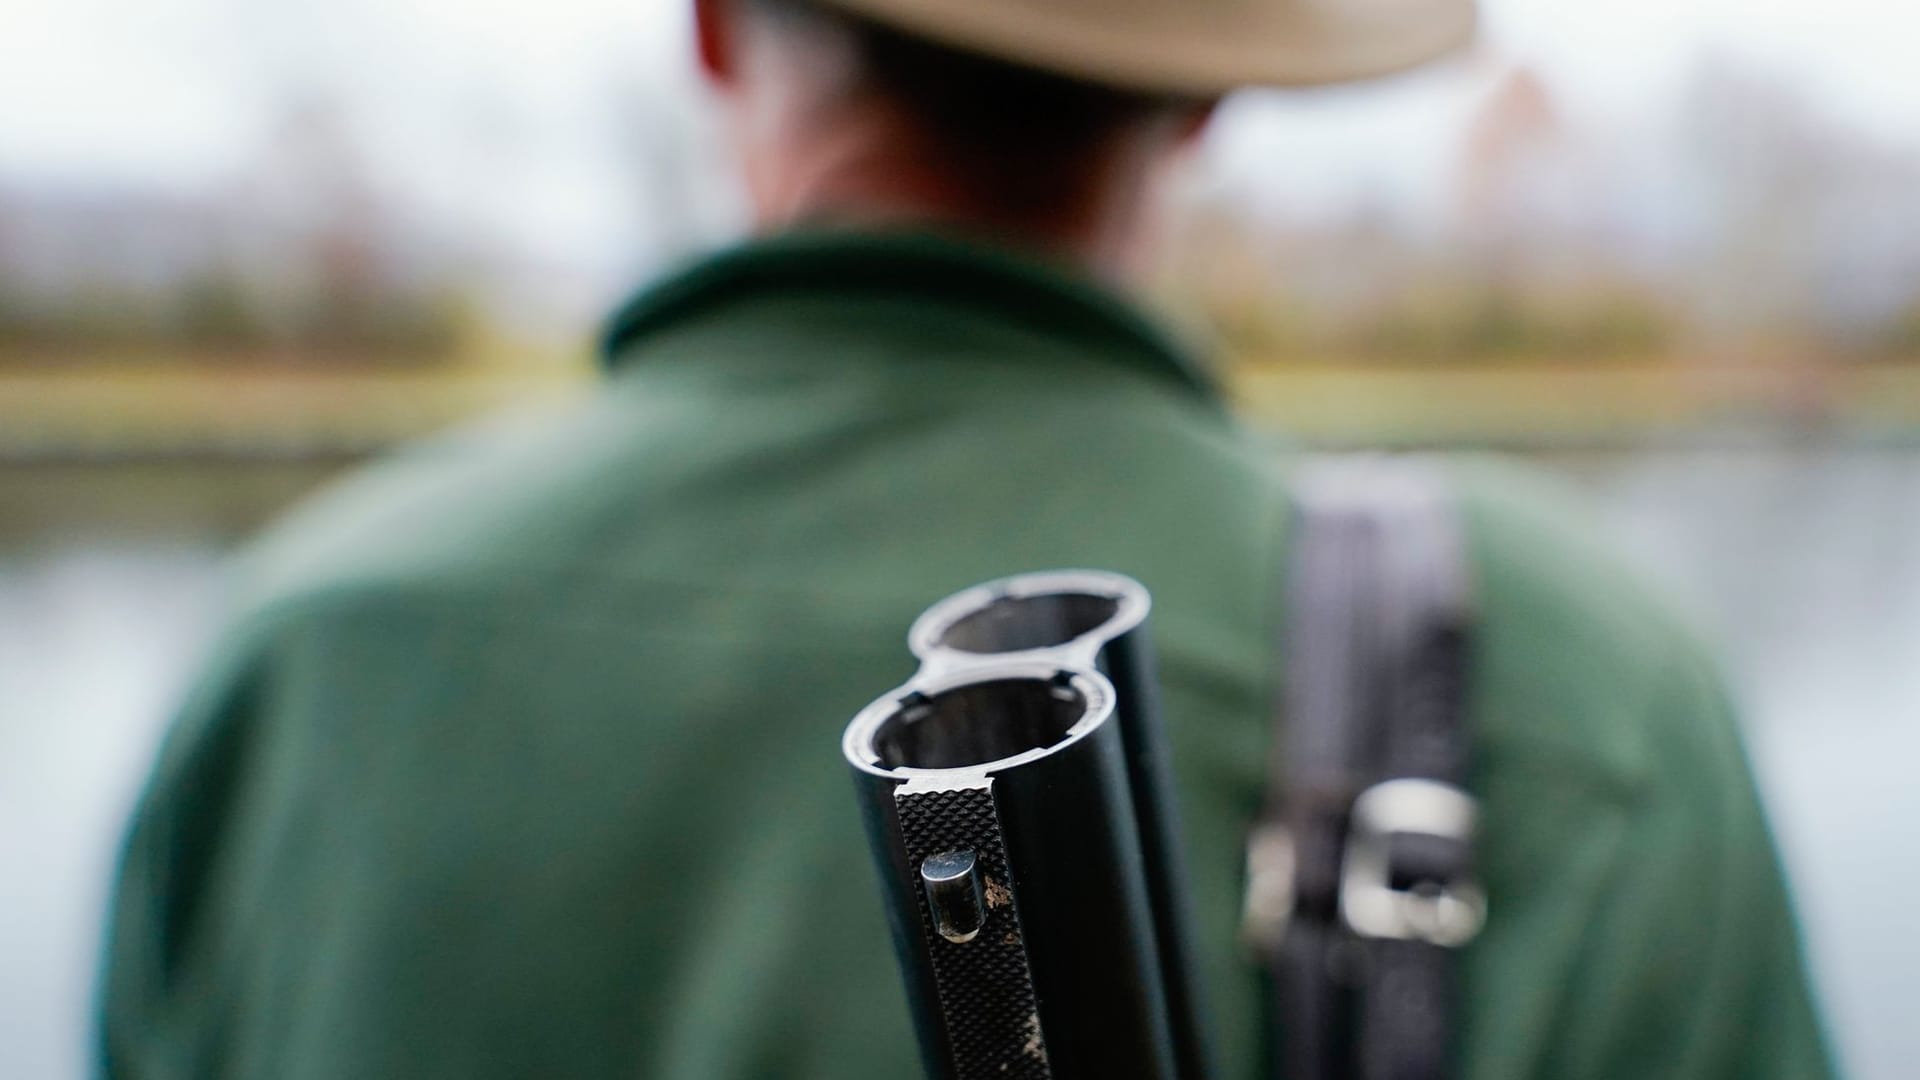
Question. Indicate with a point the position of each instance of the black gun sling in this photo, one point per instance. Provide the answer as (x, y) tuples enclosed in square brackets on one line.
[(1360, 887)]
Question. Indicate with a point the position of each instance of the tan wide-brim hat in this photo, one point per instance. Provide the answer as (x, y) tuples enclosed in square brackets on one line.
[(1201, 47)]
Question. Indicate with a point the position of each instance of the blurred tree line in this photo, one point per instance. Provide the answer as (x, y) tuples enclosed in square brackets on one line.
[(1744, 226), (300, 262), (223, 313), (1272, 301), (1748, 228)]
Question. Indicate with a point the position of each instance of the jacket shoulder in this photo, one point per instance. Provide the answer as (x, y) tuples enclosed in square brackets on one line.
[(1622, 823), (449, 511), (1586, 665)]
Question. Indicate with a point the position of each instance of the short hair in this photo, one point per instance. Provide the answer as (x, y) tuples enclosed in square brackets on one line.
[(981, 102)]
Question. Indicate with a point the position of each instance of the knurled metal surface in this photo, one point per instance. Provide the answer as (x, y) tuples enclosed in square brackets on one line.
[(985, 986)]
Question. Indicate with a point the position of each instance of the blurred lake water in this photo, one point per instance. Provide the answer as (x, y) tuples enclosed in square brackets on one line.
[(1802, 559)]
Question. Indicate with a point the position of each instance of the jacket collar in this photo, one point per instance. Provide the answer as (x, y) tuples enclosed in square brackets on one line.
[(999, 284)]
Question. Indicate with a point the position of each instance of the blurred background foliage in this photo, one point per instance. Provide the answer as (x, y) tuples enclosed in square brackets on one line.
[(298, 261), (1743, 242), (1753, 229)]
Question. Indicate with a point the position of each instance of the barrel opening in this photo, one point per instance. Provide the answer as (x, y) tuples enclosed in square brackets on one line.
[(1018, 623), (978, 723)]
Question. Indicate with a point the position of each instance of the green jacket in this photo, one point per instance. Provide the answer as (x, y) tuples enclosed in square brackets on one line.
[(522, 759)]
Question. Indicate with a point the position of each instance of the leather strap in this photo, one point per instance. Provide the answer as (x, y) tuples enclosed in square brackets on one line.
[(1360, 888)]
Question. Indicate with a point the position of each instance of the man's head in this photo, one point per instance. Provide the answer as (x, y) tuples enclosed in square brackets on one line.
[(1049, 121), (835, 116)]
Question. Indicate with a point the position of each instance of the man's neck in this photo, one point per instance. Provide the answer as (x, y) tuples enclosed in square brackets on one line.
[(875, 176)]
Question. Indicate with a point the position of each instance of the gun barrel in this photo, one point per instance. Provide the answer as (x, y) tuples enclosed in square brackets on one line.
[(1079, 797)]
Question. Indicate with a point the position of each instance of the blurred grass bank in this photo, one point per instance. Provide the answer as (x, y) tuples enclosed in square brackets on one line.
[(183, 409)]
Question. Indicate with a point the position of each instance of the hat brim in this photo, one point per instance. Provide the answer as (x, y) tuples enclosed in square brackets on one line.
[(1193, 47)]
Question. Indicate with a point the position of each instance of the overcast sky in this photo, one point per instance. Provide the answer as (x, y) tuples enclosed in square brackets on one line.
[(504, 113)]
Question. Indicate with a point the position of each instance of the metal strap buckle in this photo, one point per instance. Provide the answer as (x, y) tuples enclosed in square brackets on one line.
[(1447, 913)]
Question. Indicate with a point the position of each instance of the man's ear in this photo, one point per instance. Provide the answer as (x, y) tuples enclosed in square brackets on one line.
[(715, 25)]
